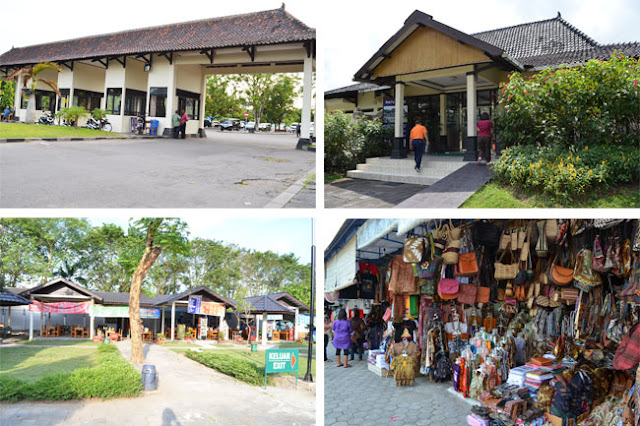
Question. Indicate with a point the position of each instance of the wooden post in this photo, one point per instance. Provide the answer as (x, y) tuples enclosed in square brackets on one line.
[(173, 319)]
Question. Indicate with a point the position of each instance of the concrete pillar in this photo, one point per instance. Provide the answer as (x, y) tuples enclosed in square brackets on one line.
[(399, 150), (203, 100), (30, 325), (17, 104), (442, 138), (172, 103), (173, 319), (295, 324), (470, 151), (91, 322), (307, 88), (41, 323), (9, 318), (264, 329), (162, 323)]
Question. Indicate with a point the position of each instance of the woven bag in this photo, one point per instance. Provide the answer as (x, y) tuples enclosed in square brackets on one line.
[(413, 249), (454, 231), (451, 252), (551, 229), (505, 271)]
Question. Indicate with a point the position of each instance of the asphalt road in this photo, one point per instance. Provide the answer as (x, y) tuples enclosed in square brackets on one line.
[(226, 169)]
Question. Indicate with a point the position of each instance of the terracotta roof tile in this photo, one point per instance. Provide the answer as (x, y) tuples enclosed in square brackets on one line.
[(251, 29)]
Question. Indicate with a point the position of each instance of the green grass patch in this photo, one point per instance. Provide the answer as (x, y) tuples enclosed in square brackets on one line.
[(77, 342), (255, 359), (330, 177), (238, 368), (179, 344), (87, 373), (36, 131), (286, 345), (496, 195), (311, 180)]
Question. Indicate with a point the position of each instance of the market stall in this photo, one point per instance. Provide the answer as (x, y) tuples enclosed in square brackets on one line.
[(535, 319)]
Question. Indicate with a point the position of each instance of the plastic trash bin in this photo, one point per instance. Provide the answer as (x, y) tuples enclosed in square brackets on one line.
[(153, 128), (149, 377)]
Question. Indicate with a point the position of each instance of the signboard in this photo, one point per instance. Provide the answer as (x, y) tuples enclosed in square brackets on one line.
[(246, 114), (194, 304), (281, 361), (123, 312), (274, 317), (389, 114), (203, 328)]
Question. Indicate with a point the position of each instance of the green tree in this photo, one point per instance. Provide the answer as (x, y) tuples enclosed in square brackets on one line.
[(73, 114), (105, 246), (7, 94), (30, 81), (20, 260), (280, 100), (169, 234), (221, 98)]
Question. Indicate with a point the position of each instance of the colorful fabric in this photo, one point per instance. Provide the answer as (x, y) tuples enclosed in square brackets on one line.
[(60, 307)]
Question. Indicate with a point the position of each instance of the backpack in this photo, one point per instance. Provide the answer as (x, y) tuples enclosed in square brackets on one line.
[(444, 368)]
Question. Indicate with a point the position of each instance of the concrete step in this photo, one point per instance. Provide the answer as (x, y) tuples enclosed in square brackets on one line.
[(427, 168), (414, 178), (445, 161)]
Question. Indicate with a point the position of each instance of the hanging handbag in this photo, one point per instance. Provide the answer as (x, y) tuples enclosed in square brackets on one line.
[(598, 256), (569, 295), (505, 271), (483, 294), (551, 229), (432, 269), (428, 286), (522, 236), (467, 265), (447, 287), (635, 240), (505, 241), (558, 274), (451, 252), (467, 294), (485, 233), (628, 353), (542, 247), (413, 249), (606, 223), (454, 231), (525, 248)]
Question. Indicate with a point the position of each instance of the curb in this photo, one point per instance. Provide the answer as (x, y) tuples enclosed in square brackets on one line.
[(283, 199), (11, 140)]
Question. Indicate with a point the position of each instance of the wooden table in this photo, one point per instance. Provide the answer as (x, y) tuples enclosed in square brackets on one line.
[(77, 332), (147, 336)]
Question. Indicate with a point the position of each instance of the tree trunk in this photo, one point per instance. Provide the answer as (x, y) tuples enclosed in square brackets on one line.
[(30, 118), (150, 255)]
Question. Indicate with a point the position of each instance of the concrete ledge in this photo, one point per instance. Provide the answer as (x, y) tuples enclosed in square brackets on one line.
[(80, 139)]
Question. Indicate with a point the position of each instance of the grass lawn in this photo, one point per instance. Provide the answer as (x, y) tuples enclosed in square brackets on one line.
[(286, 345), (179, 344), (495, 195), (36, 131), (330, 177), (258, 359), (43, 342), (31, 364)]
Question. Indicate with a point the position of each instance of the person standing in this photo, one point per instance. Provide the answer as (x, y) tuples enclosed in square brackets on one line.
[(342, 331), (183, 124), (485, 136), (418, 141), (327, 330), (357, 338), (175, 122)]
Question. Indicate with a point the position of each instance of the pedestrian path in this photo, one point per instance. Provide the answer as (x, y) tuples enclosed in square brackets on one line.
[(188, 394), (356, 396), (364, 193), (453, 190)]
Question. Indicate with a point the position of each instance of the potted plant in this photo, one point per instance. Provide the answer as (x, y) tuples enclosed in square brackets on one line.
[(160, 339), (189, 336), (181, 331)]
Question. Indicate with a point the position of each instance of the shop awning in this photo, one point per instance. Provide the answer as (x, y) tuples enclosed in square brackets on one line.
[(340, 270), (374, 229)]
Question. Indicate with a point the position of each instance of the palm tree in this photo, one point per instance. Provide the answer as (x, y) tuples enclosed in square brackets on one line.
[(30, 77)]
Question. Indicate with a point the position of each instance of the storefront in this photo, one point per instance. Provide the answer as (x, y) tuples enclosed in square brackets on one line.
[(442, 74), (535, 319)]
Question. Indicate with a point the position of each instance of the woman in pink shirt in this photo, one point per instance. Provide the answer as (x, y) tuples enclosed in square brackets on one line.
[(484, 138)]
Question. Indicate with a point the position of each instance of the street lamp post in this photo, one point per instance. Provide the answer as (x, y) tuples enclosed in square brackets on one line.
[(308, 377)]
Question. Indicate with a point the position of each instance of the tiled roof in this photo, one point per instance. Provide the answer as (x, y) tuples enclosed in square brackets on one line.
[(251, 29), (112, 298), (359, 87), (267, 303), (290, 299), (550, 43)]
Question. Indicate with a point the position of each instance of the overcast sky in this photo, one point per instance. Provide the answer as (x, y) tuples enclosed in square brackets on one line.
[(280, 235), (358, 29)]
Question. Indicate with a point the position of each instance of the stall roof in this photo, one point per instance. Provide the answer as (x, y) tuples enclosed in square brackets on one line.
[(51, 286), (268, 303), (291, 300), (112, 298), (202, 289)]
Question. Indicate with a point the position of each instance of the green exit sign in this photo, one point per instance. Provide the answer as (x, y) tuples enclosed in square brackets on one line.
[(281, 361)]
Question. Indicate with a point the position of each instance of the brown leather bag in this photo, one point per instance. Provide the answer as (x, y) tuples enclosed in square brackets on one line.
[(467, 265), (483, 294), (560, 275), (467, 294)]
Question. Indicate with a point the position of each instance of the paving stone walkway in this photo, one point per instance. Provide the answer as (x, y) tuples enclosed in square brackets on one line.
[(356, 396), (188, 394), (451, 191), (364, 193)]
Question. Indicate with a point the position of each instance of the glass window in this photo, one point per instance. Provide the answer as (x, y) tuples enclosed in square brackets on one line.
[(87, 99), (114, 101), (157, 102), (135, 102), (190, 103), (45, 100)]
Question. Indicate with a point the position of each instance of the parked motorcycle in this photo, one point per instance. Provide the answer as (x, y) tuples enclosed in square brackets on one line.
[(103, 124), (47, 119)]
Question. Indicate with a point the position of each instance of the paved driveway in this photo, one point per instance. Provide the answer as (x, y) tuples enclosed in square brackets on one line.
[(224, 170), (188, 394)]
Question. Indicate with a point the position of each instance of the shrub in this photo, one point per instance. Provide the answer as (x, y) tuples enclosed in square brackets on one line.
[(112, 377), (240, 369), (595, 103), (348, 142), (73, 114), (567, 172)]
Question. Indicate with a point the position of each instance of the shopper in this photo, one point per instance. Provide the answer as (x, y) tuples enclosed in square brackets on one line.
[(357, 338), (485, 135), (342, 331), (418, 141), (327, 331), (175, 122), (183, 124)]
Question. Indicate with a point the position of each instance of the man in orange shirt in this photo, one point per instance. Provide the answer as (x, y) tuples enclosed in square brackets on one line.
[(418, 141)]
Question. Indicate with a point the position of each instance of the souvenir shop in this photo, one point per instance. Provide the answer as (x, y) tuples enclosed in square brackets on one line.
[(536, 320)]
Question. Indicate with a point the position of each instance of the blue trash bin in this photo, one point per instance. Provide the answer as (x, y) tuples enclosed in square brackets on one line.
[(153, 128), (149, 377)]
